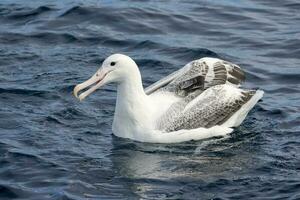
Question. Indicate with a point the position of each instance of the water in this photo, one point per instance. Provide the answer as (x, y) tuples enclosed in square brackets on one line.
[(54, 147)]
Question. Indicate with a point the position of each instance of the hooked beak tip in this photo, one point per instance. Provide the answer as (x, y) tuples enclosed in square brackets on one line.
[(75, 91), (94, 82), (80, 98)]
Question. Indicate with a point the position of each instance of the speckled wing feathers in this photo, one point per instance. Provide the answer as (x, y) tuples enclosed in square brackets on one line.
[(209, 93), (199, 74), (212, 107), (235, 74)]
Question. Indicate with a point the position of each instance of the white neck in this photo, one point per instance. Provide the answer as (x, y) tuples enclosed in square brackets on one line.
[(133, 108)]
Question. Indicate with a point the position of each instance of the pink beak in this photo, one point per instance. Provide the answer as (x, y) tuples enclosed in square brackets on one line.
[(95, 82)]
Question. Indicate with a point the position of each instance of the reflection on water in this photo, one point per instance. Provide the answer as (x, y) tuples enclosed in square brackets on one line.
[(148, 168)]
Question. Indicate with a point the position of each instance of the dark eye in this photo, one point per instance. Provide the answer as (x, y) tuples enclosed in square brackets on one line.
[(112, 63)]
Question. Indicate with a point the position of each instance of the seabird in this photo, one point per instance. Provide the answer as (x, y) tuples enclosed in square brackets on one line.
[(201, 100)]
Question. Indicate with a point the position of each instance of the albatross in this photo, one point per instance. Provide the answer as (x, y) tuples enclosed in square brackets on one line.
[(201, 100)]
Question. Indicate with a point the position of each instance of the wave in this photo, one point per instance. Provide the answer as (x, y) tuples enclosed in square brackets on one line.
[(23, 92), (10, 192), (24, 14)]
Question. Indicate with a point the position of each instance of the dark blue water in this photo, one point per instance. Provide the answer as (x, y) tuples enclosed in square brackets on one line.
[(54, 147)]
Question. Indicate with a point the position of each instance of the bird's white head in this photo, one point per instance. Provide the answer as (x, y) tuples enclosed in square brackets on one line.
[(116, 68)]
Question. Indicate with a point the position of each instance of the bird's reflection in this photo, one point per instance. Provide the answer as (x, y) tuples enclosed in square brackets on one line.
[(146, 168)]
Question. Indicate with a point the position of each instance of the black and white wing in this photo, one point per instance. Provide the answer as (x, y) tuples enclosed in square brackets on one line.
[(215, 106), (199, 75)]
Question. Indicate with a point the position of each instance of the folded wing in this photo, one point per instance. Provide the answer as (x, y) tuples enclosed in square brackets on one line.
[(212, 107)]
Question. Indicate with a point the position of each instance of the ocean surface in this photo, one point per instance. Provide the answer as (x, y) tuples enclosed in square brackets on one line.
[(54, 147)]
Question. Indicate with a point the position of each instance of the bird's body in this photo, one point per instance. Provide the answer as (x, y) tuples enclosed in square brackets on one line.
[(201, 100)]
